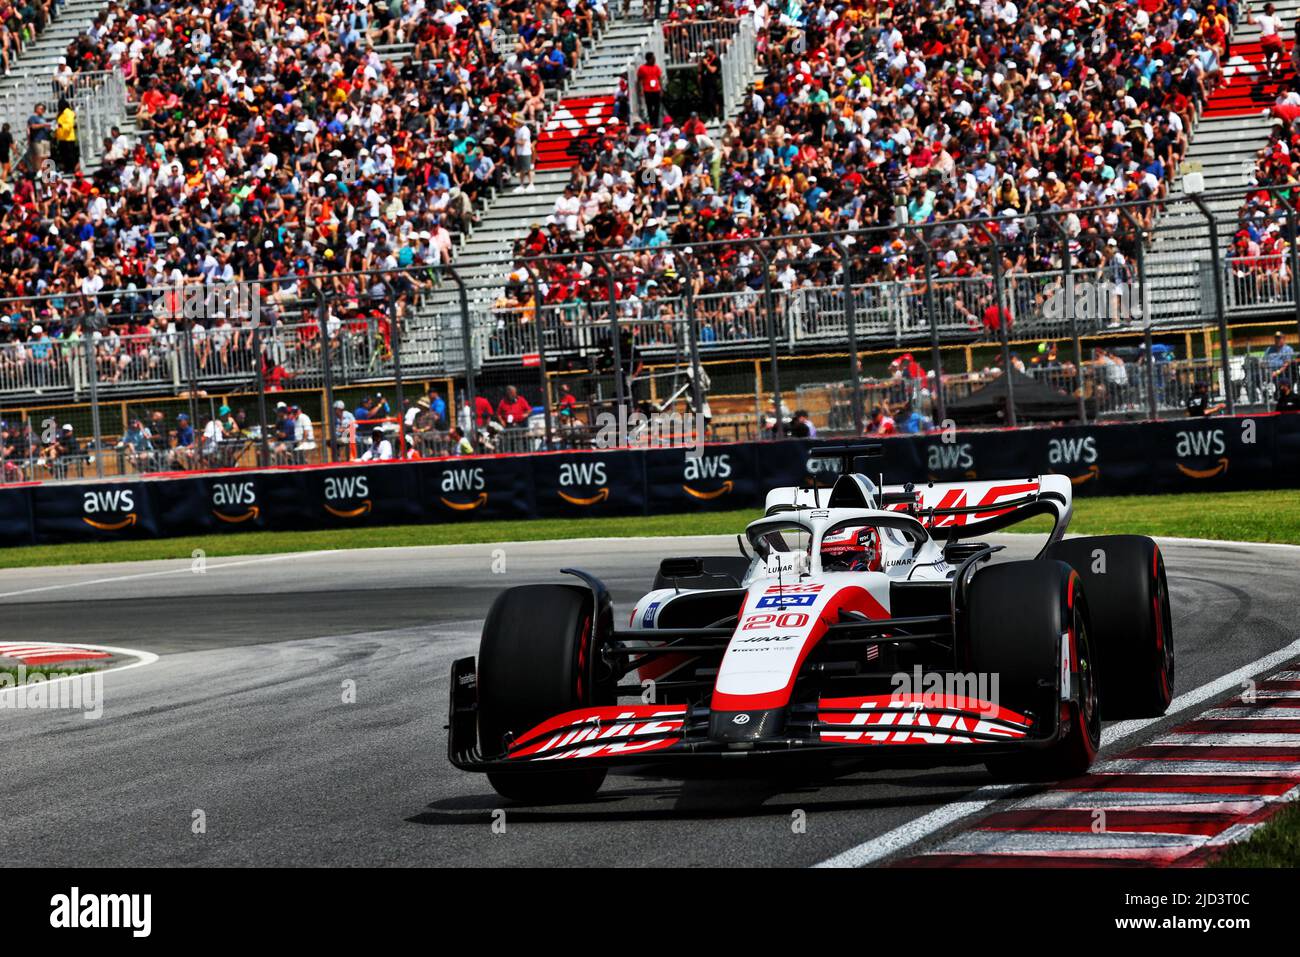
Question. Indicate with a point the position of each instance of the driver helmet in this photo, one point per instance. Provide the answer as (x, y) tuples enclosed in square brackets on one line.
[(853, 548)]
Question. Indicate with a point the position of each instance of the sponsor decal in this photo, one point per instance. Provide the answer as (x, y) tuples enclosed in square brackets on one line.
[(234, 494), (950, 456), (109, 502), (648, 619), (866, 720), (706, 468), (1201, 444), (345, 488), (786, 601), (795, 589), (578, 475), (468, 480), (603, 732), (741, 718)]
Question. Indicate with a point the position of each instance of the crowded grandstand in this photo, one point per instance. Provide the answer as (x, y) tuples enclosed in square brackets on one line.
[(960, 162)]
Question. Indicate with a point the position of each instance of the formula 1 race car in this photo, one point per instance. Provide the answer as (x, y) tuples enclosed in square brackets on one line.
[(857, 621)]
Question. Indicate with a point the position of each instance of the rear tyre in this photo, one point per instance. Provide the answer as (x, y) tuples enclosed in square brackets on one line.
[(1132, 626), (728, 566), (536, 660), (1016, 615)]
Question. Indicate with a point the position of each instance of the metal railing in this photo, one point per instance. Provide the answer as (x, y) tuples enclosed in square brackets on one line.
[(97, 97), (739, 60), (686, 41)]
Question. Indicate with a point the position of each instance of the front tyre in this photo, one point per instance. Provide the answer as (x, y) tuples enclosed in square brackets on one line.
[(1018, 614), (1132, 625), (537, 659)]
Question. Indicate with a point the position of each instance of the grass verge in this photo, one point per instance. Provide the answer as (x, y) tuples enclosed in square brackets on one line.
[(1268, 516), (1276, 844)]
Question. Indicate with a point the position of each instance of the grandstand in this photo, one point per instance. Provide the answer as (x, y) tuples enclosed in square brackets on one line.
[(473, 195)]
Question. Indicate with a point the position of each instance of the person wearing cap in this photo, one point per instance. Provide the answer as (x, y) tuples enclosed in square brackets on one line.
[(344, 430), (285, 433), (181, 455), (1279, 359), (135, 443), (305, 432), (381, 450)]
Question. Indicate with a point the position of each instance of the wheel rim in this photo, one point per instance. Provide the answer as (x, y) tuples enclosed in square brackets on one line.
[(1164, 633), (1089, 711)]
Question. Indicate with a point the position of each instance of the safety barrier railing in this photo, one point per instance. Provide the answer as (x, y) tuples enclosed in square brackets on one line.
[(686, 40)]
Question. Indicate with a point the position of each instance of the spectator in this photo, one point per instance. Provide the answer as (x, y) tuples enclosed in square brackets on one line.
[(459, 444), (881, 422), (135, 444), (381, 450), (1198, 404), (910, 421), (345, 430), (801, 427), (304, 430), (650, 84), (513, 410), (1287, 400), (1279, 357)]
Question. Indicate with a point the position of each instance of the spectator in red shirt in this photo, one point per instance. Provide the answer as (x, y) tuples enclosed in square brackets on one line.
[(483, 411), (513, 411), (650, 82), (880, 424), (991, 319)]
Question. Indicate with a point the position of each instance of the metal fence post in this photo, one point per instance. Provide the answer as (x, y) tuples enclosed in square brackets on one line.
[(1293, 231), (93, 372), (1067, 289), (541, 357), (1003, 315), (322, 320), (931, 315), (692, 334), (770, 308), (1140, 255), (264, 446), (620, 393), (395, 339), (467, 350), (1219, 311), (851, 321)]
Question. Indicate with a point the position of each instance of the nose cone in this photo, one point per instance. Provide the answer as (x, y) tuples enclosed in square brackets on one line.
[(746, 725)]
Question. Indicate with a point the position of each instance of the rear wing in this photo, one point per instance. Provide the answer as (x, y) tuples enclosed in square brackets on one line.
[(955, 510)]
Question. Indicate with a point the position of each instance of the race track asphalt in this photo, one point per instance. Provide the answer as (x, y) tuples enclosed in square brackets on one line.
[(243, 718)]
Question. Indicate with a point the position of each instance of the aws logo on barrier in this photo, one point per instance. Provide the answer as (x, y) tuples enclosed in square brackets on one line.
[(464, 481), (708, 469), (1074, 452), (1202, 446), (581, 477), (347, 496), (113, 509), (951, 456), (234, 502)]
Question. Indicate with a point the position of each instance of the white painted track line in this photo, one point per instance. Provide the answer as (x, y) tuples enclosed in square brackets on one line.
[(891, 842)]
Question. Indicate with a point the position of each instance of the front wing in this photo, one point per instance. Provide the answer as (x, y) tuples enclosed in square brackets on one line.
[(861, 725)]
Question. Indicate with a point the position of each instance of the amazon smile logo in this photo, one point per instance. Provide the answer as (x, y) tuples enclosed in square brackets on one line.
[(343, 489), (709, 469), (1200, 445), (227, 495), (577, 476), (116, 505), (470, 481), (1220, 469)]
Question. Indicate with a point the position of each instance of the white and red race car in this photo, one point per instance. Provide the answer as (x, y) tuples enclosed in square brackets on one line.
[(857, 621)]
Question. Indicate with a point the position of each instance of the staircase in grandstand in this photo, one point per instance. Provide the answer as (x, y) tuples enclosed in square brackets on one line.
[(98, 98), (432, 336), (1233, 127)]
